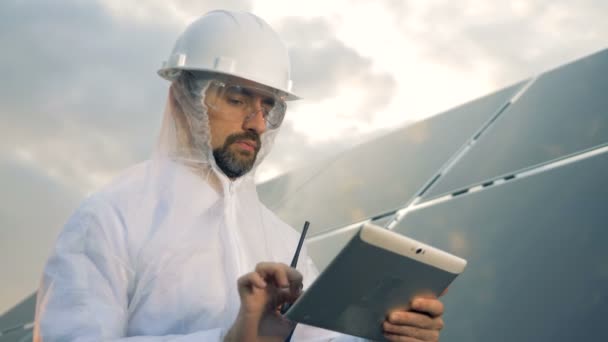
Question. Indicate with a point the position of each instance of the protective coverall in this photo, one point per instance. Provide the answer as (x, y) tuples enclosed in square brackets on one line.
[(155, 255)]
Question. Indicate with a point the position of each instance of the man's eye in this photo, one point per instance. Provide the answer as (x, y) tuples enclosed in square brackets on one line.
[(235, 102), (268, 103)]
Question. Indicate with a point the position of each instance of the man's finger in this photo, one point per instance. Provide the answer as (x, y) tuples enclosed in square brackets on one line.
[(397, 338), (282, 274), (285, 296), (295, 278), (274, 270), (251, 279), (409, 331), (415, 319), (431, 306)]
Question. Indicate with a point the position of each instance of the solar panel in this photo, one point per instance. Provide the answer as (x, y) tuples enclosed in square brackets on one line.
[(19, 315), (384, 174), (272, 193), (324, 249), (565, 111), (18, 335), (538, 262)]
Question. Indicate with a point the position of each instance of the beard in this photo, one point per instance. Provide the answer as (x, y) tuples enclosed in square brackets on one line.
[(234, 164)]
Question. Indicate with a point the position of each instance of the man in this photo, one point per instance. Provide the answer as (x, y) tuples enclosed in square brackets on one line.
[(179, 248)]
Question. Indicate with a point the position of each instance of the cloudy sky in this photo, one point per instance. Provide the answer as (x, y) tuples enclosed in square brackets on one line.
[(80, 99)]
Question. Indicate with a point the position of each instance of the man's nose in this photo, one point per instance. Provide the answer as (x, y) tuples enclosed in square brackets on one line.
[(255, 119)]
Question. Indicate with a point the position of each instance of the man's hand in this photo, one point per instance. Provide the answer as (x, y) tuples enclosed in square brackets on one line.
[(262, 293), (421, 323)]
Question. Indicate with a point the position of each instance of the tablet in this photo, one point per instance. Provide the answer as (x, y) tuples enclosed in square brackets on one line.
[(377, 271)]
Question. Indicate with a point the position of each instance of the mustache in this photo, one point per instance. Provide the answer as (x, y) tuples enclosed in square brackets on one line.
[(248, 135)]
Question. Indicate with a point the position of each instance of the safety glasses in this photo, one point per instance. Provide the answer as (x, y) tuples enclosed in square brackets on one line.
[(242, 102)]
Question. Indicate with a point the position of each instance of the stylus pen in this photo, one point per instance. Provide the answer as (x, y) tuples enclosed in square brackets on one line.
[(294, 263)]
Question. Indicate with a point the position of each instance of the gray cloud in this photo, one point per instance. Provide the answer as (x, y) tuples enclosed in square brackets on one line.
[(198, 7), (321, 64), (517, 44), (74, 65), (75, 74)]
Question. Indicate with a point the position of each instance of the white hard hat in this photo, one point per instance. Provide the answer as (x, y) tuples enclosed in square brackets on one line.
[(238, 44)]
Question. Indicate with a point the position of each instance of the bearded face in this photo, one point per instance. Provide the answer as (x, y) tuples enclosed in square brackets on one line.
[(237, 155)]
